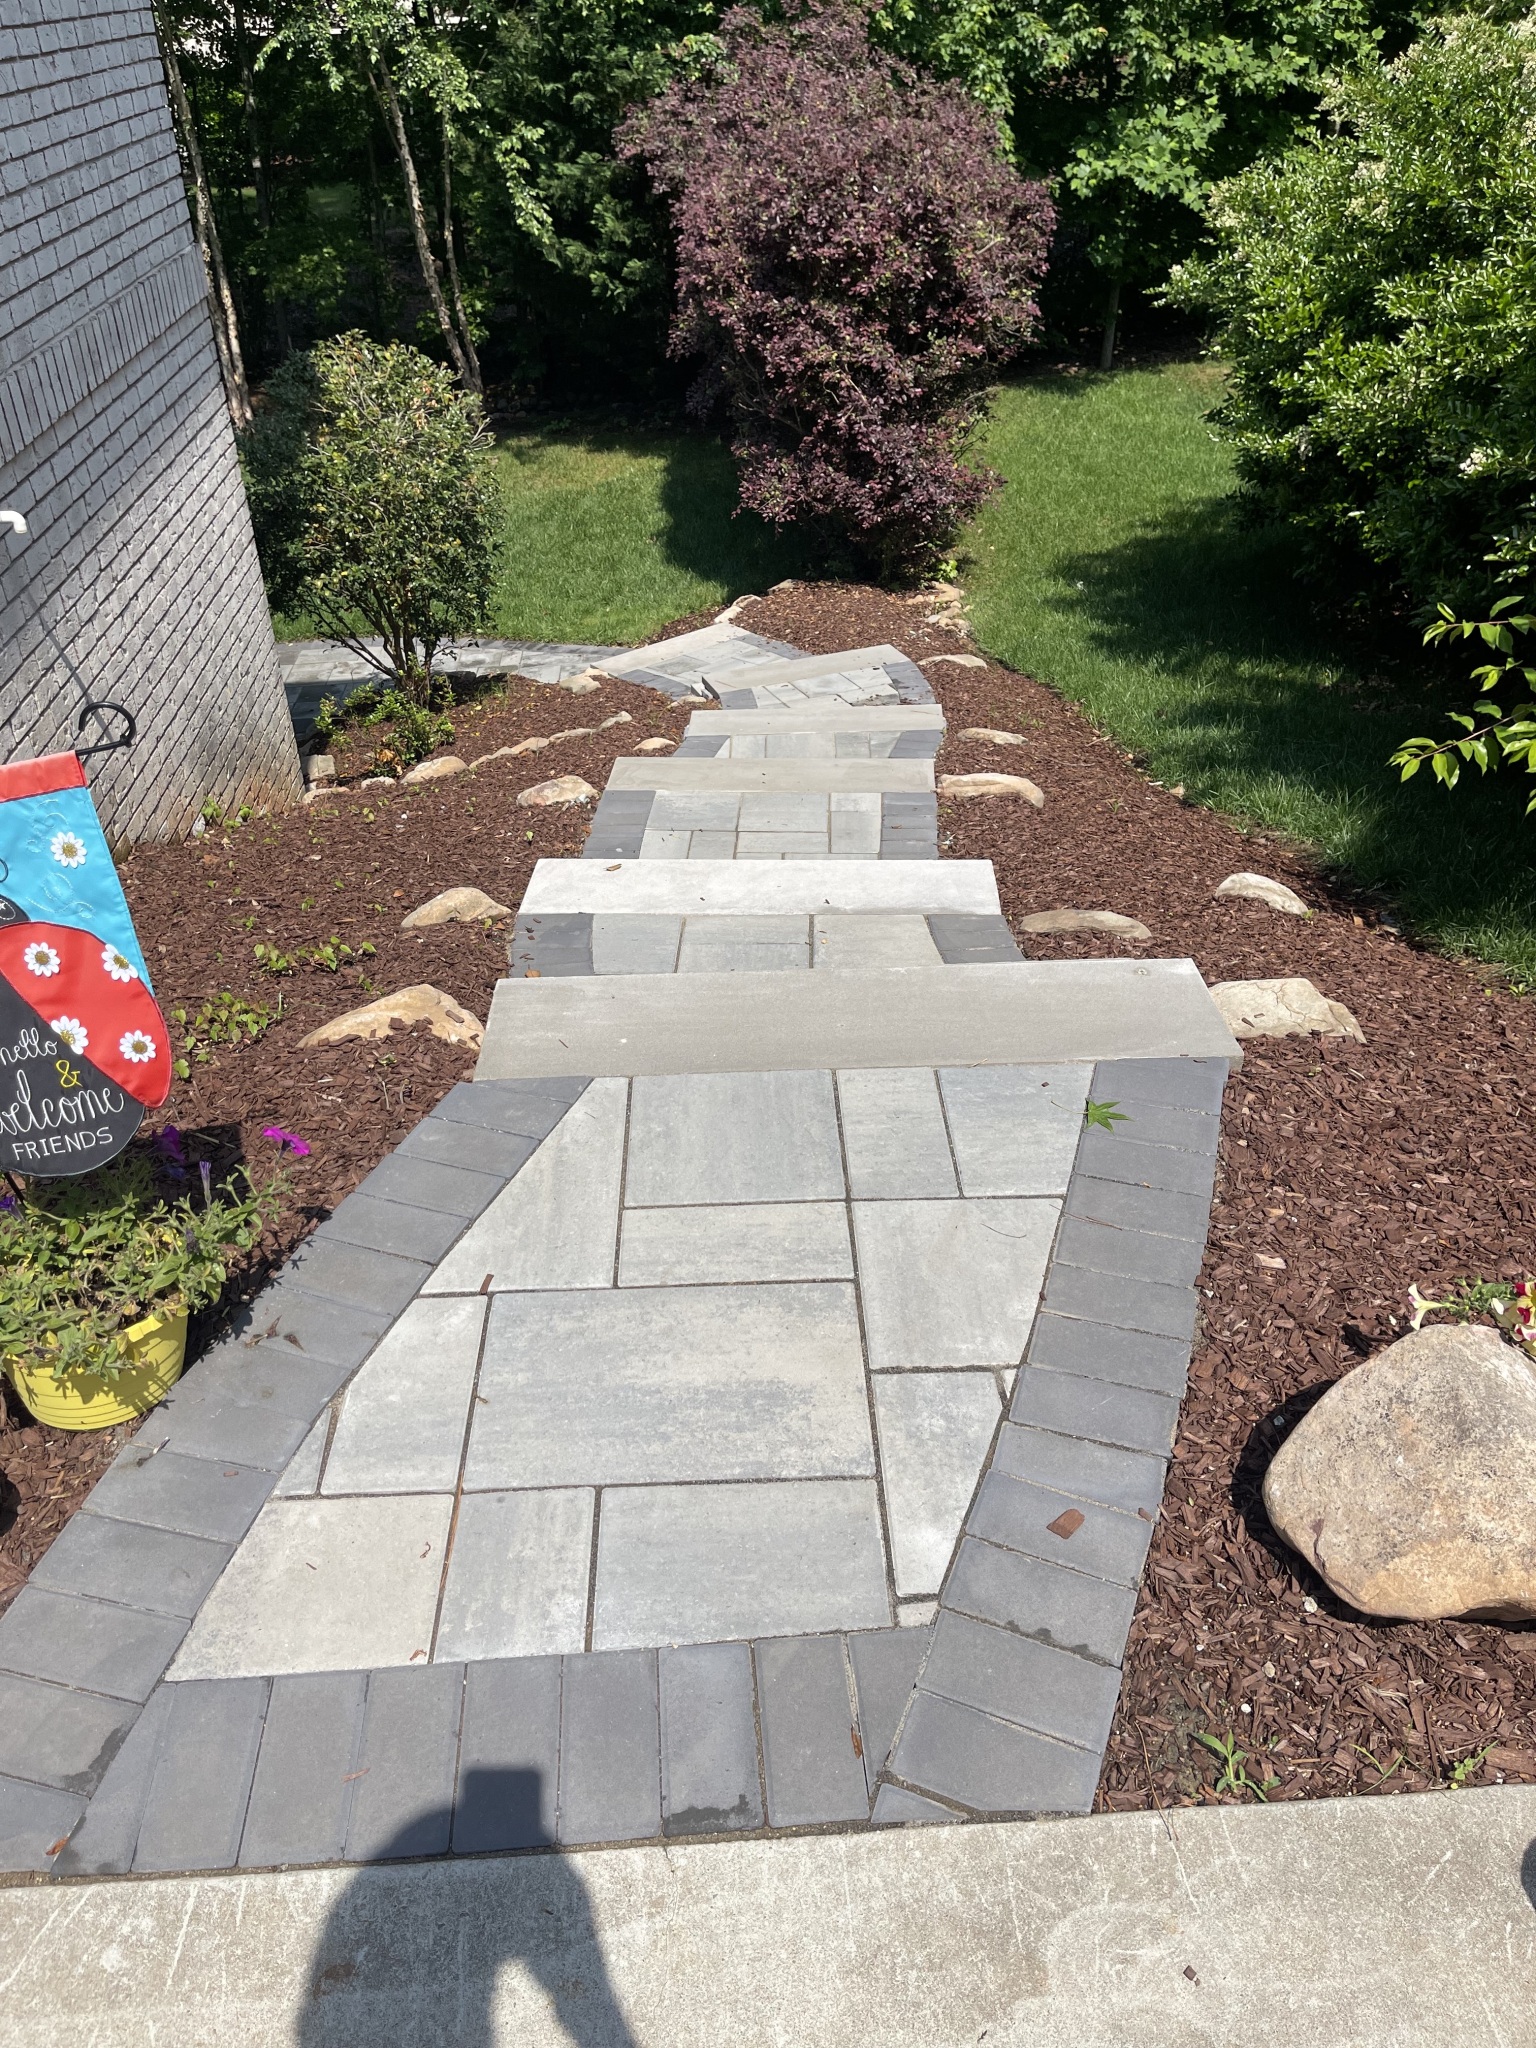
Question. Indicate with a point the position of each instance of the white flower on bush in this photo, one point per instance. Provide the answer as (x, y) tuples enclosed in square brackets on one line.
[(118, 965), (1479, 460), (72, 1031), (40, 958), (137, 1046), (68, 849)]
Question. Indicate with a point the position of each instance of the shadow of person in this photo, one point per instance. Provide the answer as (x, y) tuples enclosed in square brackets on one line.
[(413, 1954), (1528, 1873)]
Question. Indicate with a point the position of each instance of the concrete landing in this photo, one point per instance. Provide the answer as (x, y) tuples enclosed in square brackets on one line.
[(726, 888), (921, 1016), (782, 777), (1369, 1923)]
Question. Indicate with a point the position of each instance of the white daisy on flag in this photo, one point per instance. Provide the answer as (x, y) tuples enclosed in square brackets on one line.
[(72, 1031), (118, 965), (137, 1046), (40, 958), (68, 849)]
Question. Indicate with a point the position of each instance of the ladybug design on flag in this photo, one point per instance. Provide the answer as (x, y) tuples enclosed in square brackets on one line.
[(84, 1049)]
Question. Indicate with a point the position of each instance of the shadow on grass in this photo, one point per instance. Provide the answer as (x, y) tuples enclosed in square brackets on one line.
[(1229, 685)]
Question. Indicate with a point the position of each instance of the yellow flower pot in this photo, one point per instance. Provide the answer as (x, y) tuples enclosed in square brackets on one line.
[(82, 1401)]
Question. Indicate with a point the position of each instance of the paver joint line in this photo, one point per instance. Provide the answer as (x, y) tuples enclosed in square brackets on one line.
[(762, 1434)]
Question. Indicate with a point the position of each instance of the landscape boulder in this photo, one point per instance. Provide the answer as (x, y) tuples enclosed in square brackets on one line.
[(434, 771), (421, 1003), (1411, 1486), (659, 745), (454, 906), (992, 785), (560, 789), (1264, 890), (993, 735), (1084, 921), (960, 661), (1288, 1007)]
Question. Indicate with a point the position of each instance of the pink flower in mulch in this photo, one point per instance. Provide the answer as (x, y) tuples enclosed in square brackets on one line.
[(286, 1141)]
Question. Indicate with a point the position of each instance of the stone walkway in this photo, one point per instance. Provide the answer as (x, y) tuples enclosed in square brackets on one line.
[(743, 1407)]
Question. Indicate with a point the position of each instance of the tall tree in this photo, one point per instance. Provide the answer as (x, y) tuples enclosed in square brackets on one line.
[(397, 54), (226, 325)]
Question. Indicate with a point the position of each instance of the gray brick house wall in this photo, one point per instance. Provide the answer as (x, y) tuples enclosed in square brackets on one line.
[(115, 443)]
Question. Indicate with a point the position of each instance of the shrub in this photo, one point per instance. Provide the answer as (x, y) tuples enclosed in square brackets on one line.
[(375, 503), (854, 258), (1376, 297)]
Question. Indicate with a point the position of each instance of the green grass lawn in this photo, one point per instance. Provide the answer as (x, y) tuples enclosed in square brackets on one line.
[(1112, 568), (610, 535)]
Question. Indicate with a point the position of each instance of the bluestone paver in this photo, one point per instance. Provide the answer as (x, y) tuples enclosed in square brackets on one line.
[(703, 1564), (408, 1230), (509, 1756), (951, 1283), (73, 1641), (1016, 1678), (131, 1565), (991, 1765), (1129, 1254), (452, 1146), (356, 1275), (610, 1758), (1128, 1416), (555, 1225), (811, 1746), (1107, 1155), (517, 1580), (1069, 1609), (1015, 1129), (195, 1808), (1155, 1123), (322, 1585), (894, 1133), (874, 939), (630, 943), (166, 1490), (637, 1386), (402, 1799), (935, 1429), (636, 887), (747, 1241), (709, 1763), (1129, 1207), (1182, 1084), (402, 1420), (301, 1475), (732, 1138), (885, 1667), (301, 1794), (310, 1324), (528, 1109)]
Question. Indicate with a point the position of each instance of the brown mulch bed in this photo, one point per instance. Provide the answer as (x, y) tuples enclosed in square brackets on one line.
[(1362, 1168), (346, 867)]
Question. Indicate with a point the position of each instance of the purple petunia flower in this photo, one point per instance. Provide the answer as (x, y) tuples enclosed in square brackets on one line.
[(7, 1203), (286, 1141), (168, 1145)]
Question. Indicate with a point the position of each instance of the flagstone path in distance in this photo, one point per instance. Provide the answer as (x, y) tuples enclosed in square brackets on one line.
[(743, 1407)]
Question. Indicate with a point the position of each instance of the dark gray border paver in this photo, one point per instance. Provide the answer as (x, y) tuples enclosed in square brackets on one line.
[(1017, 1678), (195, 1811), (710, 1782), (989, 1765), (812, 1755), (551, 942), (1071, 1610), (1116, 1478), (167, 1490), (610, 1748), (409, 1230), (90, 1644), (402, 1799), (104, 1845), (35, 1819), (301, 1793), (50, 1735), (1094, 1350), (509, 1755), (1128, 1416), (885, 1667), (132, 1566)]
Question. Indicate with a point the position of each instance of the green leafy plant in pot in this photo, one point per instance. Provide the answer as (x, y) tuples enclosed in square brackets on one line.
[(99, 1274)]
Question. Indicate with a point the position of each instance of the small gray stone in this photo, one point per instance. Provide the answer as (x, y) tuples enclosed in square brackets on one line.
[(1052, 921), (434, 771), (810, 1745), (1262, 890)]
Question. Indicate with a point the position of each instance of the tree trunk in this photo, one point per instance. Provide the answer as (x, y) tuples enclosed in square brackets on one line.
[(276, 305), (1111, 317), (226, 327), (465, 337), (389, 105)]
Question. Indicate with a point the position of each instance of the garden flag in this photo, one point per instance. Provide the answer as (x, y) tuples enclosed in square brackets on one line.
[(84, 1050)]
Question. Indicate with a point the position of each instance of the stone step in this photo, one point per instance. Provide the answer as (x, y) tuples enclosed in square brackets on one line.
[(805, 668), (639, 942), (677, 666), (669, 888), (781, 776), (812, 717), (1033, 1012)]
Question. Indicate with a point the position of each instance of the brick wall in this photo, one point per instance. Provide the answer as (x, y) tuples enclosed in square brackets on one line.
[(115, 443)]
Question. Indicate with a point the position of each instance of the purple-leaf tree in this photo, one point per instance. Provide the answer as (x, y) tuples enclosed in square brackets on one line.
[(855, 257)]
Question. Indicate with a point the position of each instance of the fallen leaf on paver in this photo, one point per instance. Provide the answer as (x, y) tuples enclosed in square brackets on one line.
[(350, 1776), (1066, 1524), (53, 1848), (858, 1746), (414, 1655)]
